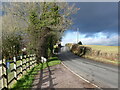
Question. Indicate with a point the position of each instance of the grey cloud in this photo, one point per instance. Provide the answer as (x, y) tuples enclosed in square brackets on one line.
[(96, 17)]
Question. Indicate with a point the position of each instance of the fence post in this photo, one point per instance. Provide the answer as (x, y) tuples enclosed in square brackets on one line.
[(5, 74), (1, 75), (25, 63), (32, 61), (15, 72), (35, 59), (29, 61), (21, 63)]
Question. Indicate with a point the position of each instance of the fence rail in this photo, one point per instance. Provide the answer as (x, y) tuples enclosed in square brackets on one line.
[(11, 71)]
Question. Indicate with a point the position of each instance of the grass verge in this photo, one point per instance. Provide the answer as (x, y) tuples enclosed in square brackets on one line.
[(26, 81), (103, 60)]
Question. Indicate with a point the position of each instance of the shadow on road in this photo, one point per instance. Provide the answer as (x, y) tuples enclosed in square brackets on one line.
[(44, 79)]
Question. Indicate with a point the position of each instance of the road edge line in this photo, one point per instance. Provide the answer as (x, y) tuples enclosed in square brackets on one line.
[(80, 76)]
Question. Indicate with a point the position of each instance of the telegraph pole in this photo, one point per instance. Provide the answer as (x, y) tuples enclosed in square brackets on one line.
[(77, 35)]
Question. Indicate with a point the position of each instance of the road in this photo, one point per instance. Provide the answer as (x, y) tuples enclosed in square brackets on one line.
[(103, 75)]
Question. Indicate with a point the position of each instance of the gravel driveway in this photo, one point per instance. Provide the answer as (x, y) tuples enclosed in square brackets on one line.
[(58, 76)]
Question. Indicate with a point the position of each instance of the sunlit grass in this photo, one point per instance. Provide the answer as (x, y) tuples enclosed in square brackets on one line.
[(108, 49), (26, 81)]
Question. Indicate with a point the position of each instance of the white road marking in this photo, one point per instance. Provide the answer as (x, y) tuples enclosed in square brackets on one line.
[(81, 77)]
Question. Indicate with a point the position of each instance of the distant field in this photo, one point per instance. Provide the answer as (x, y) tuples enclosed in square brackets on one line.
[(106, 54), (108, 49)]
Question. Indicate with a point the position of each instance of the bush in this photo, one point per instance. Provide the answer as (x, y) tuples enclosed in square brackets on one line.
[(80, 43)]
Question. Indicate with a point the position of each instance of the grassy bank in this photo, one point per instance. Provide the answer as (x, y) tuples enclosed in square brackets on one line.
[(105, 49), (26, 81), (105, 54)]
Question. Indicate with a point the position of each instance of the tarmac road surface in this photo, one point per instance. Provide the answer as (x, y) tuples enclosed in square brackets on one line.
[(103, 75)]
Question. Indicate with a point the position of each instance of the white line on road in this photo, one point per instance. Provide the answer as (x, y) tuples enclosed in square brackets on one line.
[(81, 77)]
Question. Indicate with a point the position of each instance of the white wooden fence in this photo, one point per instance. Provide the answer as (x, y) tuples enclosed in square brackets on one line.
[(25, 63)]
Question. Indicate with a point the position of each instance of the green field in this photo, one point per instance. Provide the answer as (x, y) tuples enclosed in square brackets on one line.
[(108, 49)]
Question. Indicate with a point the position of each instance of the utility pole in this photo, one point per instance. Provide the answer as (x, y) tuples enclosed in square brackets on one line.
[(77, 35)]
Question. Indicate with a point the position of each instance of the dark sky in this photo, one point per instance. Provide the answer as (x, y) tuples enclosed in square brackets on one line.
[(96, 17), (97, 22)]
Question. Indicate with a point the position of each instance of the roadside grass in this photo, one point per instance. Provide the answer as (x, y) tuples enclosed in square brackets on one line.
[(103, 60), (108, 49), (26, 81), (114, 50)]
